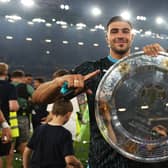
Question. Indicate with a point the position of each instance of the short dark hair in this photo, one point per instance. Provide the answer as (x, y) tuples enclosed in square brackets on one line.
[(62, 106), (18, 74), (60, 72), (118, 18), (28, 75), (39, 79)]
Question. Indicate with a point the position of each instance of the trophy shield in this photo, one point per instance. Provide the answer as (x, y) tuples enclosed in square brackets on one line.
[(132, 107)]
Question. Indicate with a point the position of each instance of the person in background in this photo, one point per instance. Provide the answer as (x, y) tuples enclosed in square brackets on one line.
[(39, 111), (24, 93), (28, 79), (6, 137), (51, 143), (6, 134), (8, 105)]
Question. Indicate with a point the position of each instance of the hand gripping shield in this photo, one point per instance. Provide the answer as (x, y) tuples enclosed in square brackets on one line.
[(132, 107)]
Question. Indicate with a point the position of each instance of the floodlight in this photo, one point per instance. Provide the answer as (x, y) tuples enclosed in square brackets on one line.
[(96, 11)]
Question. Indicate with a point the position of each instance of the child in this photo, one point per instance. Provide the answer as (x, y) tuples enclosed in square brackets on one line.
[(51, 144)]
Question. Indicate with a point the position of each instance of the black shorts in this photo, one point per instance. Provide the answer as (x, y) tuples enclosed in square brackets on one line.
[(4, 148)]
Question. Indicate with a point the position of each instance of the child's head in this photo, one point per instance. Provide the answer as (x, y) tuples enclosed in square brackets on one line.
[(63, 108), (60, 72)]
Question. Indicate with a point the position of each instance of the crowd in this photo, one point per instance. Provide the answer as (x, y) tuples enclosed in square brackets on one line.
[(19, 116)]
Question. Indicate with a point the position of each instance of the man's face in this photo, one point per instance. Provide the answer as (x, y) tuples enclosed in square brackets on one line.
[(28, 80), (36, 84), (119, 37)]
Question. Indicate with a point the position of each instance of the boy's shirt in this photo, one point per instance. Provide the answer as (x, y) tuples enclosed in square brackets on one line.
[(50, 145)]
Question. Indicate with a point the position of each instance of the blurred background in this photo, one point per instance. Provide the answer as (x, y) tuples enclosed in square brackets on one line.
[(40, 36)]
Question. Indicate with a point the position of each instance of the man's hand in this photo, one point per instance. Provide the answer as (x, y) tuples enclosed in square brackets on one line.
[(48, 92), (153, 49), (75, 80), (6, 135)]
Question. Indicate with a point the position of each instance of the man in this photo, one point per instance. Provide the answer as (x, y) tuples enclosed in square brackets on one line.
[(24, 93), (6, 137), (119, 38), (28, 79), (6, 131), (39, 111), (9, 103)]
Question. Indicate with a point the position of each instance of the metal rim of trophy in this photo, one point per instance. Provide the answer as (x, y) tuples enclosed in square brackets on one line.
[(131, 105)]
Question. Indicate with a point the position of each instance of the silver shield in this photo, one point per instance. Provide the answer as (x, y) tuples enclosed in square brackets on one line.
[(132, 107)]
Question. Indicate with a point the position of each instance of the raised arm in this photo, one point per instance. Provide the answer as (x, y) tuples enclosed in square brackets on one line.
[(50, 91)]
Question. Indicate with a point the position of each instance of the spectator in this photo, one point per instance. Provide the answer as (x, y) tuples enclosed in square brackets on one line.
[(24, 93), (39, 111), (9, 105)]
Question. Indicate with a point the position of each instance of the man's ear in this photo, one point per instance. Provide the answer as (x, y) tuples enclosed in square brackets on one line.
[(107, 39), (133, 36), (69, 114)]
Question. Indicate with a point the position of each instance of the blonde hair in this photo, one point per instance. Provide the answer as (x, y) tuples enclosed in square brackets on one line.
[(3, 68)]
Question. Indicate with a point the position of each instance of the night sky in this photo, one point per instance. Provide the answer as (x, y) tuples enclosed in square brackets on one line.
[(41, 58)]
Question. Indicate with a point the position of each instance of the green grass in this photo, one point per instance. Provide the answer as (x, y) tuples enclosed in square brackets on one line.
[(17, 161), (81, 148)]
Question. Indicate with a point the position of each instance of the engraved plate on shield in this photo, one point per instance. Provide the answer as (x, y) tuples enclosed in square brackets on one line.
[(132, 107)]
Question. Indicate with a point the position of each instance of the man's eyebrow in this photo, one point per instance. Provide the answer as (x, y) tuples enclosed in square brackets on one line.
[(120, 28), (126, 28), (114, 29)]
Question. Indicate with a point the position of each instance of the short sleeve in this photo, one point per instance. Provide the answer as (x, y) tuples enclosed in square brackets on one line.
[(67, 145), (34, 140)]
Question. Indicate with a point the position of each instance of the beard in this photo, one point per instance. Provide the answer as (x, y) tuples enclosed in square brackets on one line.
[(120, 51)]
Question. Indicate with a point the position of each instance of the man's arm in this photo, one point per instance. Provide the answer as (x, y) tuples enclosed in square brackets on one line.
[(2, 118), (50, 91), (26, 157), (6, 131), (72, 162), (13, 105)]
